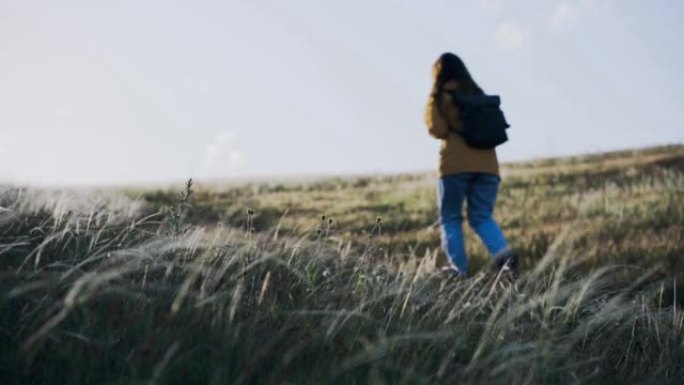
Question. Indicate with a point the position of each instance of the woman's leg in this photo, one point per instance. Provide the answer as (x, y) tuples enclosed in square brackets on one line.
[(481, 199), (451, 193)]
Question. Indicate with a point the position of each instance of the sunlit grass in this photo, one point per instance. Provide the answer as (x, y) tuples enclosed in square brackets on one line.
[(251, 284)]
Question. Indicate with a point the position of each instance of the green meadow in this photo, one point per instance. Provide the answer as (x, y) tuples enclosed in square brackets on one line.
[(337, 281)]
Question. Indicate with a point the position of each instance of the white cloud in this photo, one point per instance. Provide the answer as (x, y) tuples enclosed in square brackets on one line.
[(568, 12), (222, 155), (510, 35), (563, 15), (592, 3), (492, 5)]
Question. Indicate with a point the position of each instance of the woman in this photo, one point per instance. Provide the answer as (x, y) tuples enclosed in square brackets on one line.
[(466, 173)]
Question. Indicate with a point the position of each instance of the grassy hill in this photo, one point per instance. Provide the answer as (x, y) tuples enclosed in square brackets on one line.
[(335, 281)]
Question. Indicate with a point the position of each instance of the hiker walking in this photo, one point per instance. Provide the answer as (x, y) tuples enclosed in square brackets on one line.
[(468, 166)]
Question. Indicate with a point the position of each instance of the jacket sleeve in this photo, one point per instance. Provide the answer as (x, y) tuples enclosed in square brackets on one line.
[(437, 125)]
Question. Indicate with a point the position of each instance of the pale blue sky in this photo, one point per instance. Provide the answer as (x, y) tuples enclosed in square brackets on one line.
[(125, 91)]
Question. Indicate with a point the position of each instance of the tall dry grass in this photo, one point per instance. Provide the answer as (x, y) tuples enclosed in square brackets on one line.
[(97, 288)]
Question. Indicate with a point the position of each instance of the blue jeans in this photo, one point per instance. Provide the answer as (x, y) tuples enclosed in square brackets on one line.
[(479, 190)]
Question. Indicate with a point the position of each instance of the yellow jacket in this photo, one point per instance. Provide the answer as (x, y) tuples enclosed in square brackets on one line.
[(455, 156)]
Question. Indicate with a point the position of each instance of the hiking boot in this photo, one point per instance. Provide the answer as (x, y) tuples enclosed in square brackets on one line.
[(452, 271), (506, 263)]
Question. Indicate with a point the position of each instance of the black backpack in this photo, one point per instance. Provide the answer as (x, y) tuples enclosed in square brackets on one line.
[(483, 124)]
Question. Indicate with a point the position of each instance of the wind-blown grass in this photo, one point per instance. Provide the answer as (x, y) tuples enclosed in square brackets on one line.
[(105, 287)]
